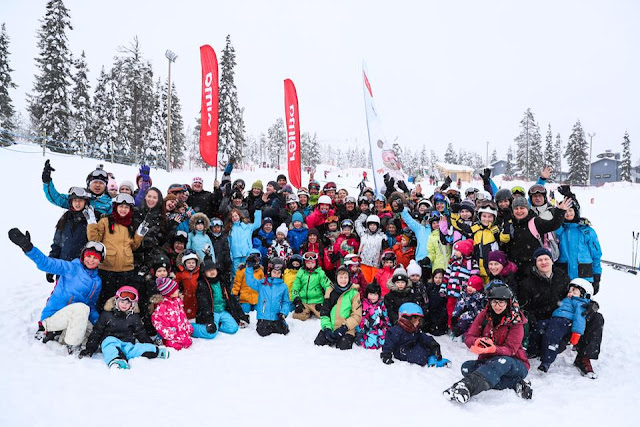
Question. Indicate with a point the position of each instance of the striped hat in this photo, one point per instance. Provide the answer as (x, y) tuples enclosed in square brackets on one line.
[(166, 286)]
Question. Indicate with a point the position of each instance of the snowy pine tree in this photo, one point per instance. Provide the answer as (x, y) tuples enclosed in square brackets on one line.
[(7, 111), (494, 156), (81, 102), (510, 168), (550, 152), (529, 147), (450, 155), (310, 149), (105, 118), (557, 165), (625, 173), (155, 148), (49, 103), (230, 126), (577, 155), (276, 140), (433, 159)]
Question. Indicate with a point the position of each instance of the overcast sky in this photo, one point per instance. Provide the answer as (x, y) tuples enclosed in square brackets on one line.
[(446, 71)]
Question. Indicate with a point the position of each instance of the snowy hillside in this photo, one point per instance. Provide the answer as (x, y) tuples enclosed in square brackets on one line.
[(286, 380)]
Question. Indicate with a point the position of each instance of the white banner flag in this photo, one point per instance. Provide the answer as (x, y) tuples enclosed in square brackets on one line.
[(383, 158)]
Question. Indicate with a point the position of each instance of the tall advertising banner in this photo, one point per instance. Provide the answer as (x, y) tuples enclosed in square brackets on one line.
[(209, 106), (292, 123), (383, 158)]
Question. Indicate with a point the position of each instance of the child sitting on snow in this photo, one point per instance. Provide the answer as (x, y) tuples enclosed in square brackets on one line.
[(118, 328), (472, 301), (273, 299), (293, 265), (569, 317), (169, 317), (400, 292), (405, 342), (375, 320), (461, 267)]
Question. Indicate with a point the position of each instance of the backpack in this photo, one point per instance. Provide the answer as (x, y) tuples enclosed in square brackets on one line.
[(548, 241)]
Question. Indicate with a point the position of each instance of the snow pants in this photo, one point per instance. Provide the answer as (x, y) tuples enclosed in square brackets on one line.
[(418, 354), (547, 337), (309, 309), (451, 305), (113, 348), (224, 322), (72, 319), (500, 371)]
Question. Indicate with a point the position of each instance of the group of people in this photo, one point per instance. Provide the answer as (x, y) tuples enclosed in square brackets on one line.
[(137, 272)]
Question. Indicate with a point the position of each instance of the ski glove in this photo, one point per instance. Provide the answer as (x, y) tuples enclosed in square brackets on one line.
[(486, 176), (143, 228), (339, 333), (46, 172), (575, 337), (329, 336), (299, 307), (20, 239), (206, 250), (403, 186), (85, 353), (144, 172), (89, 214), (387, 359), (211, 328), (596, 283), (50, 278), (228, 168), (434, 362), (447, 182)]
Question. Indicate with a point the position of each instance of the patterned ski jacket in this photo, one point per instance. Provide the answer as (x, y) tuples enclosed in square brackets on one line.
[(171, 322)]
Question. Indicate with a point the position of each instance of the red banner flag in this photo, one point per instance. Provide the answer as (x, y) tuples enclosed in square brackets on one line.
[(209, 107), (292, 122)]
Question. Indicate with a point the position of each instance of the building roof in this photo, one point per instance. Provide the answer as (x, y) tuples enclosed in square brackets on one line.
[(454, 168)]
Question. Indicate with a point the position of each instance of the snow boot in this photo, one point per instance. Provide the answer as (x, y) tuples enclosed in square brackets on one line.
[(584, 365), (50, 336), (40, 333), (465, 388), (118, 364), (73, 349), (543, 367), (523, 388), (163, 352)]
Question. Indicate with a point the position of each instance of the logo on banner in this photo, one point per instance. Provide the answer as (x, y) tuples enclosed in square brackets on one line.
[(208, 96), (292, 132)]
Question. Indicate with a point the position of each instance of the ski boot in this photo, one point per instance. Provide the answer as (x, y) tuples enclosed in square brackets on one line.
[(40, 333), (523, 388), (118, 364), (459, 392), (73, 349), (543, 367), (50, 336), (584, 365), (163, 352)]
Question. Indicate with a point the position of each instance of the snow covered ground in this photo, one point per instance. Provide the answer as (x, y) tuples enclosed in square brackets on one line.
[(245, 379)]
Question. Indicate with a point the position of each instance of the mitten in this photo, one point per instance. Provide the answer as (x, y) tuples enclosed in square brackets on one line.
[(297, 303), (330, 336), (575, 337), (340, 332), (403, 186), (319, 307), (387, 359), (50, 278), (228, 168), (434, 362), (144, 172), (21, 240), (211, 328), (46, 172)]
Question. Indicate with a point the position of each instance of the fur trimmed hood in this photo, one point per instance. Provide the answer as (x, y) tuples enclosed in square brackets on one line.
[(110, 305), (392, 286), (196, 217)]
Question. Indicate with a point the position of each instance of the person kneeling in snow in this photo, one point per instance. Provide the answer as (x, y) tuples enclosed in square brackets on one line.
[(340, 313), (169, 317), (496, 337), (118, 328), (273, 299), (405, 342), (74, 298)]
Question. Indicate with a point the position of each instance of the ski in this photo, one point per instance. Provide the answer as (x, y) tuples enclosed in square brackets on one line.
[(621, 267)]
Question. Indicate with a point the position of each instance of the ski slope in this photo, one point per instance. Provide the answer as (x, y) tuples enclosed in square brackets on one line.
[(286, 380)]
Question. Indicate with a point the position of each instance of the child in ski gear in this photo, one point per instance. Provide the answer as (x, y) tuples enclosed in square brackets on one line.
[(298, 232), (384, 273), (218, 310), (435, 321), (273, 299), (470, 303), (71, 229), (187, 277), (461, 267), (313, 244), (199, 240), (309, 288), (419, 289), (247, 297), (341, 312), (372, 242), (404, 250), (422, 233), (405, 342), (375, 320), (221, 249), (264, 237), (169, 317), (400, 292), (118, 328), (72, 302), (568, 317), (293, 265), (352, 262), (496, 337), (280, 247)]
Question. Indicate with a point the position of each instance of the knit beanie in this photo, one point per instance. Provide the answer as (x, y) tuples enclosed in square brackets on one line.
[(282, 229), (127, 184), (476, 283), (166, 286), (464, 246), (498, 256), (257, 184), (414, 268), (297, 216), (112, 185), (520, 202), (541, 251), (399, 274)]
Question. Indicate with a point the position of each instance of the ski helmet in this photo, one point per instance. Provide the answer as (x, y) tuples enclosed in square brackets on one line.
[(518, 190), (425, 202), (470, 190), (330, 186), (94, 248), (352, 259), (292, 198), (127, 293), (380, 198), (295, 258), (349, 199), (388, 256), (276, 264), (504, 194), (410, 309), (98, 175), (324, 200), (373, 219), (497, 289), (584, 285), (238, 183)]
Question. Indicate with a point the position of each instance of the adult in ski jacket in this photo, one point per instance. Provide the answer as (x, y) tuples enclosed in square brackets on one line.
[(422, 233), (580, 251)]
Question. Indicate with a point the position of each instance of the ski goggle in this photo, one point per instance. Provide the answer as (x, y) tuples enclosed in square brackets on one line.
[(352, 261), (96, 246), (486, 203), (127, 295), (181, 233), (314, 186), (330, 186), (188, 252), (438, 198), (99, 174), (123, 199), (79, 193), (346, 223), (310, 256), (470, 191), (215, 222), (331, 219), (349, 199), (518, 190), (537, 189)]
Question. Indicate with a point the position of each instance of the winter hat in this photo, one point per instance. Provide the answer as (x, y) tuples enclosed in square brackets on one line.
[(91, 251), (287, 188), (414, 268), (237, 195), (464, 246), (161, 262), (166, 286), (297, 216), (313, 231), (498, 256), (208, 264), (267, 220), (257, 184), (274, 185), (468, 205), (400, 274), (373, 288), (282, 229), (112, 185), (127, 184), (197, 179), (476, 283), (520, 202), (281, 176), (541, 251)]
